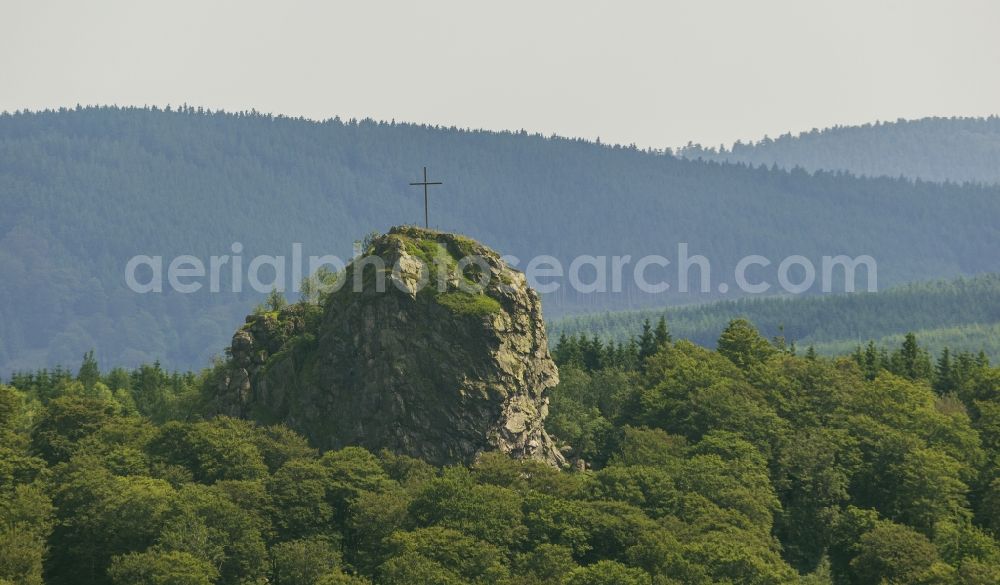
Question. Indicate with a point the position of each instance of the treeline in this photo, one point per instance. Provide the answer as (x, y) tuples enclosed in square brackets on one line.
[(933, 149), (961, 314), (745, 465), (964, 338), (84, 190), (909, 359)]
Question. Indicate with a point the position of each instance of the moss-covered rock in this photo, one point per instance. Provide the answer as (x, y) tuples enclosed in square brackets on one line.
[(437, 362)]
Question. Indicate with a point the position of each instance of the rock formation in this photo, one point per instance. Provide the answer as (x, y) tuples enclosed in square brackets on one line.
[(442, 371)]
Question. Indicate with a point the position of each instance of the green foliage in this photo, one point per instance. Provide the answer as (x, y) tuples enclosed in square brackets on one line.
[(303, 561), (487, 512), (21, 554), (10, 406), (275, 301), (67, 420), (298, 493), (743, 466), (463, 303), (102, 515), (647, 342), (892, 553), (577, 408), (607, 573), (911, 361), (161, 568), (219, 449), (547, 563), (661, 335), (440, 556), (368, 240), (26, 521), (89, 373), (800, 440), (743, 345), (591, 353), (339, 577), (208, 524)]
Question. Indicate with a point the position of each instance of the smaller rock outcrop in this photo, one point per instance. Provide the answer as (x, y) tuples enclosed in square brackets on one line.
[(431, 346)]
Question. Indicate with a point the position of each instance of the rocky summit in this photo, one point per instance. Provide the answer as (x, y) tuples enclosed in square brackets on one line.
[(413, 349)]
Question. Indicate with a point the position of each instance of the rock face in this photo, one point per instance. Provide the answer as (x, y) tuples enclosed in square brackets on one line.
[(442, 371)]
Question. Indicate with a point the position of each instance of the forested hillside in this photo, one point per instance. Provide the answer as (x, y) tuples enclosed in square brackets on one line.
[(933, 149), (743, 466), (84, 190), (962, 314)]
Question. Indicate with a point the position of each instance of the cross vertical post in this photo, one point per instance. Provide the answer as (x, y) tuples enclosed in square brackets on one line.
[(426, 183)]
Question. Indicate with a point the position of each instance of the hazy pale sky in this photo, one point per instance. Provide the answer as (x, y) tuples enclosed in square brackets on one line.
[(653, 73)]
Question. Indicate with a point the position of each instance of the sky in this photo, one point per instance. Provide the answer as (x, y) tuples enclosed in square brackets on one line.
[(656, 74)]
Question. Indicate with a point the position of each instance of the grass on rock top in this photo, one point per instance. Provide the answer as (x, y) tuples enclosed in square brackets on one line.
[(438, 255), (463, 303), (445, 255)]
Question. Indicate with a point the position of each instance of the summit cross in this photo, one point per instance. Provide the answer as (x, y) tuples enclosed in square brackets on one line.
[(425, 183)]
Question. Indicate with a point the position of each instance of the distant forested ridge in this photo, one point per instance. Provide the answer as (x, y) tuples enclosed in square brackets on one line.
[(933, 149), (83, 190), (962, 314)]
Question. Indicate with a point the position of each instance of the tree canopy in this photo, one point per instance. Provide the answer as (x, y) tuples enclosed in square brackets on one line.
[(745, 465)]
